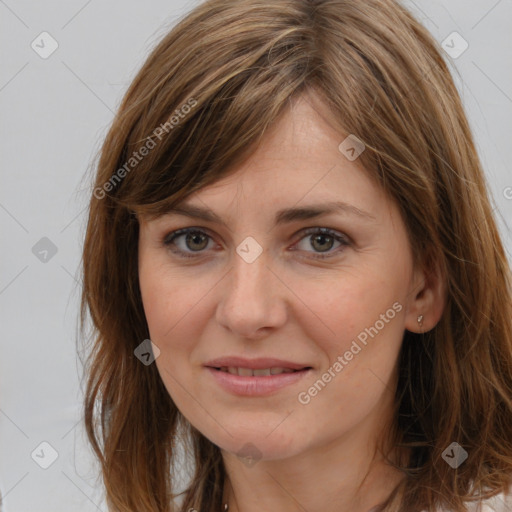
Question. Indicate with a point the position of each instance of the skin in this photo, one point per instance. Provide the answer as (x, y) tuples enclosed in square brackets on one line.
[(288, 304)]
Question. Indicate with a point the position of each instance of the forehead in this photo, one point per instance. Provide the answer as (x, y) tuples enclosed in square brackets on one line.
[(298, 171), (298, 165)]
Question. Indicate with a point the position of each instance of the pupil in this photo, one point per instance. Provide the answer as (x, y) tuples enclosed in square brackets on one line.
[(194, 237), (321, 237)]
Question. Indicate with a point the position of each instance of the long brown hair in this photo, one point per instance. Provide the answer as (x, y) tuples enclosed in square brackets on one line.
[(201, 102)]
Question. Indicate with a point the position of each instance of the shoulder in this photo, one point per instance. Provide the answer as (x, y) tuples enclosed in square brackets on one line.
[(502, 502)]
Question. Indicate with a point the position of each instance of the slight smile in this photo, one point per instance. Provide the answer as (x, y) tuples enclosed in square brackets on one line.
[(256, 377)]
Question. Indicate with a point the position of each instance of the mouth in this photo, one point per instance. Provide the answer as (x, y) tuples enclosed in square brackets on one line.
[(256, 377), (257, 372)]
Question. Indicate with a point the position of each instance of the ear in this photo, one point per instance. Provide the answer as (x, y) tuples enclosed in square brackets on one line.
[(427, 297)]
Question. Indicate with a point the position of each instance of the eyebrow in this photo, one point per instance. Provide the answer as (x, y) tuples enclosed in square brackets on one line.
[(286, 215)]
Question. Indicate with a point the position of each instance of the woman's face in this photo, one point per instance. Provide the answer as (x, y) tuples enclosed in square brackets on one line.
[(260, 283)]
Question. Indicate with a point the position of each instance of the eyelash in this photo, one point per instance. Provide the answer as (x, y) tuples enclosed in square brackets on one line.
[(169, 240)]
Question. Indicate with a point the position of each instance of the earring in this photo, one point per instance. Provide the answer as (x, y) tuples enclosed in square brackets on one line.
[(420, 320)]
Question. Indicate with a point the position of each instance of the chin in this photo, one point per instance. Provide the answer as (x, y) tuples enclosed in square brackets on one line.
[(254, 445)]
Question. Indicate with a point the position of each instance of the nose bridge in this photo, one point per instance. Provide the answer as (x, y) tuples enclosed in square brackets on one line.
[(247, 281), (249, 300), (249, 266), (248, 274)]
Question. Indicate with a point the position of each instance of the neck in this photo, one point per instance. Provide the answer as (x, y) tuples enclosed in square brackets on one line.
[(290, 498), (333, 478)]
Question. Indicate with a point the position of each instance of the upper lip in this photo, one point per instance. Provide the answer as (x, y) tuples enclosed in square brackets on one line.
[(255, 364)]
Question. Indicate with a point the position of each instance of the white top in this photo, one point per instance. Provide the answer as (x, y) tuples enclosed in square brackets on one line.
[(500, 503)]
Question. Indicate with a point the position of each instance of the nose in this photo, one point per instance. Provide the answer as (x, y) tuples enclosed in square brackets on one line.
[(252, 302)]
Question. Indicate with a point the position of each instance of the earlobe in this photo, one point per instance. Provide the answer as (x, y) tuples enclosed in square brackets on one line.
[(428, 302)]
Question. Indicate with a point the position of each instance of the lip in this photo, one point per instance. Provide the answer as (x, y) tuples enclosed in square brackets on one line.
[(255, 364), (256, 386), (260, 385)]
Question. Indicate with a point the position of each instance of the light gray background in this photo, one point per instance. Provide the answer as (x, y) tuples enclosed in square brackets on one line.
[(55, 112)]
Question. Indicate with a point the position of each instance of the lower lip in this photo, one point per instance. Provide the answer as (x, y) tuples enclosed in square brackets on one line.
[(256, 386)]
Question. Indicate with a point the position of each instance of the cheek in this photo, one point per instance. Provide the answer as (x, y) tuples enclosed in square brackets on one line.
[(168, 296), (352, 306), (174, 316), (357, 374), (174, 305), (169, 305), (358, 328)]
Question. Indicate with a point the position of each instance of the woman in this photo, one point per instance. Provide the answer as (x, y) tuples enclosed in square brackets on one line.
[(373, 373)]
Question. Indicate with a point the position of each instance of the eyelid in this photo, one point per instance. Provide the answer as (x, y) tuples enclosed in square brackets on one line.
[(171, 235)]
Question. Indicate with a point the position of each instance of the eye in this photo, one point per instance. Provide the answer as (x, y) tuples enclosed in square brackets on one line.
[(191, 238), (323, 239), (192, 242)]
